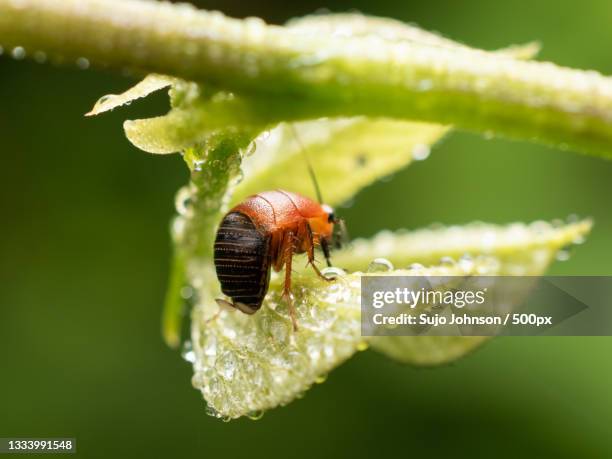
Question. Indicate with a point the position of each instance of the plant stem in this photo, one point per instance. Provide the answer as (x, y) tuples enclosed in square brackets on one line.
[(348, 76)]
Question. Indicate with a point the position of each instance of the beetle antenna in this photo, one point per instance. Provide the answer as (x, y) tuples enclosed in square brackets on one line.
[(308, 164)]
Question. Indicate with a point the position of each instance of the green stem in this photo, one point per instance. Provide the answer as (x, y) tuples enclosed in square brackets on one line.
[(358, 75)]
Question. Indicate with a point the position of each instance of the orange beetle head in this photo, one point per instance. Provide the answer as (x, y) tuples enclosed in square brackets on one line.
[(323, 224)]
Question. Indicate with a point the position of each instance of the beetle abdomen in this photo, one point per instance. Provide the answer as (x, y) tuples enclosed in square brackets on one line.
[(242, 260)]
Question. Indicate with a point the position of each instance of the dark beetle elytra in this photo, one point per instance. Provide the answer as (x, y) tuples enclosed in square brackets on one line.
[(263, 232)]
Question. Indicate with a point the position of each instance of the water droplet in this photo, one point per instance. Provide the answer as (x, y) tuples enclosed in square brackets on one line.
[(321, 379), (187, 352), (250, 149), (573, 218), (255, 415), (105, 99), (466, 263), (18, 52), (183, 201), (563, 255), (416, 266), (210, 347), (186, 292), (447, 261), (421, 151), (40, 57), (226, 365), (239, 177), (197, 165), (557, 223), (178, 229), (333, 272), (82, 63), (379, 265), (424, 85)]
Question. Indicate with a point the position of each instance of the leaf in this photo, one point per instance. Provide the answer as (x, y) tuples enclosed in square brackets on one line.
[(166, 134), (522, 250), (518, 250), (246, 364), (150, 84), (347, 155)]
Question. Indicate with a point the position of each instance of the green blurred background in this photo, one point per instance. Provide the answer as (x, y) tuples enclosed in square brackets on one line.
[(84, 256)]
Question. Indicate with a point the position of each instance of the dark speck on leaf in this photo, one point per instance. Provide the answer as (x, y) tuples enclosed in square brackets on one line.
[(361, 159)]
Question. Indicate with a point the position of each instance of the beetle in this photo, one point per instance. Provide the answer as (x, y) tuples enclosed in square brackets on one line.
[(262, 233)]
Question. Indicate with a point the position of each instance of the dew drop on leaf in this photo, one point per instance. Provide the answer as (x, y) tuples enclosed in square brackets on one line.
[(466, 263), (420, 152), (447, 261), (104, 99), (250, 149), (255, 415), (197, 165), (380, 265), (332, 272), (39, 57), (187, 352), (563, 255), (424, 85), (182, 201), (82, 63), (18, 52), (186, 292)]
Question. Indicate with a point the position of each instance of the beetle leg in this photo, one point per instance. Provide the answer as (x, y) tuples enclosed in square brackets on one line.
[(311, 256), (288, 258)]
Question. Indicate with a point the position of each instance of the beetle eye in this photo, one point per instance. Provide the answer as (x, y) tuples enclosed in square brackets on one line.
[(331, 218)]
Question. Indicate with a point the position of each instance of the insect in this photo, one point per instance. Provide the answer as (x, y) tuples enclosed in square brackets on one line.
[(263, 233)]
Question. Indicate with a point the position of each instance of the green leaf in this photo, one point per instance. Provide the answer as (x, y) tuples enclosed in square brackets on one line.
[(514, 250), (149, 85), (347, 155), (522, 250), (246, 364)]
